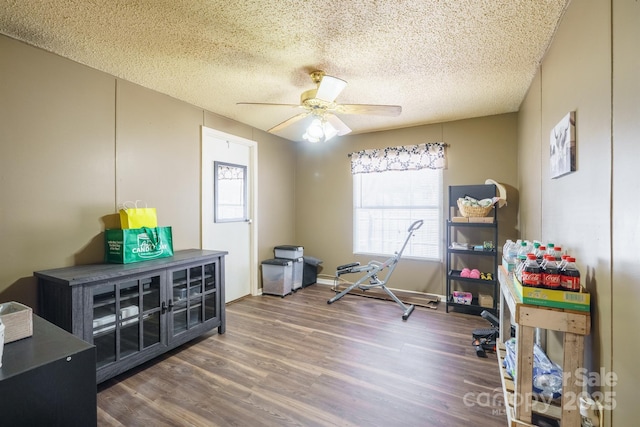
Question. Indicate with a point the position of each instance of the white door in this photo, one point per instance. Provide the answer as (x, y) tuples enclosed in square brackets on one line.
[(229, 166)]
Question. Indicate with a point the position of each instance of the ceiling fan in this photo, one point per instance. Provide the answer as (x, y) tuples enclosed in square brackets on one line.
[(319, 103)]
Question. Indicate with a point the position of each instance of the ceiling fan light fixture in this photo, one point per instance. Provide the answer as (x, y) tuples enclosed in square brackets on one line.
[(319, 103), (315, 131), (319, 131), (329, 131)]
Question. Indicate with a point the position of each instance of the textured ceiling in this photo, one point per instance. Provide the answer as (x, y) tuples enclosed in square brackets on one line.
[(440, 60)]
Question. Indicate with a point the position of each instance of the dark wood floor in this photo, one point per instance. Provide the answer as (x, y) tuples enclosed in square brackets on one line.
[(297, 361)]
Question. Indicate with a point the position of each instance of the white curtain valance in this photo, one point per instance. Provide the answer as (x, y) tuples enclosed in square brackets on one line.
[(407, 157)]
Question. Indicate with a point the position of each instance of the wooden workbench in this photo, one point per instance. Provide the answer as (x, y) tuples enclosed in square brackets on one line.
[(574, 325)]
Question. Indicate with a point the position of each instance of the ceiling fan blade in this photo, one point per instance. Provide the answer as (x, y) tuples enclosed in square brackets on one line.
[(338, 124), (269, 104), (288, 122), (379, 110), (329, 88)]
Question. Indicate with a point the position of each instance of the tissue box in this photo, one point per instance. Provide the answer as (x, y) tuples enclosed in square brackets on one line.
[(17, 319), (462, 297)]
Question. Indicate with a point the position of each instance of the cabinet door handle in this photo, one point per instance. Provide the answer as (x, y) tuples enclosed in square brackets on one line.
[(164, 307)]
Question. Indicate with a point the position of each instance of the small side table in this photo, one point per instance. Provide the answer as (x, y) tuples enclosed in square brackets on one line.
[(48, 379)]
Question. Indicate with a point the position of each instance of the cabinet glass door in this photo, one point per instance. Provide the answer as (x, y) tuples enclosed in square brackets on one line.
[(194, 297), (129, 318), (151, 311), (104, 325), (210, 292), (126, 318)]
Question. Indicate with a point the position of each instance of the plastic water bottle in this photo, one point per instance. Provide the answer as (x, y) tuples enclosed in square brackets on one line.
[(551, 249), (512, 252), (570, 276), (557, 253), (506, 249), (547, 375), (517, 270), (523, 250), (533, 247)]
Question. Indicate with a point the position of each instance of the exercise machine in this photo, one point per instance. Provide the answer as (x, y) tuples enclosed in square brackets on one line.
[(372, 269), (485, 339)]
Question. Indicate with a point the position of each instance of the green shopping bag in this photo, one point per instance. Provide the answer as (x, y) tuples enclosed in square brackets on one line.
[(124, 246)]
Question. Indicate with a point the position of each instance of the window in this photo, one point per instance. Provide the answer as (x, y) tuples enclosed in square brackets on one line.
[(388, 199), (230, 192)]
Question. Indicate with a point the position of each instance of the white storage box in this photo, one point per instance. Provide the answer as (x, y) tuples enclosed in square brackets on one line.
[(277, 276), (298, 268), (17, 319), (288, 251)]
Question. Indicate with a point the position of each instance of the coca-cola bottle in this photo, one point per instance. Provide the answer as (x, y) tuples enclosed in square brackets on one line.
[(563, 261), (570, 276), (536, 247), (543, 261), (540, 253), (531, 272), (551, 274)]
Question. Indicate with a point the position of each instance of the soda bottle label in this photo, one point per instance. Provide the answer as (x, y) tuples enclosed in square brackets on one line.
[(570, 283), (530, 278), (552, 281)]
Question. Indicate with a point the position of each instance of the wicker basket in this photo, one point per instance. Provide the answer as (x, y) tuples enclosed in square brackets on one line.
[(17, 319), (474, 211)]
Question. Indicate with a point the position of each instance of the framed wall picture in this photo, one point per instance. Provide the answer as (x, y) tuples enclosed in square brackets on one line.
[(562, 140)]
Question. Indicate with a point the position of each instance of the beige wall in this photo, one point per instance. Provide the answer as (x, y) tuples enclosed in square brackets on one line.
[(530, 149), (478, 149), (592, 68), (56, 162), (75, 142), (625, 259)]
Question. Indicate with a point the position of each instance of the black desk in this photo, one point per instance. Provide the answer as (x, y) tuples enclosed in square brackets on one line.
[(48, 379)]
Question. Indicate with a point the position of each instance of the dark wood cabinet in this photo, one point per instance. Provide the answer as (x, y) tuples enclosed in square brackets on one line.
[(48, 379), (135, 312)]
